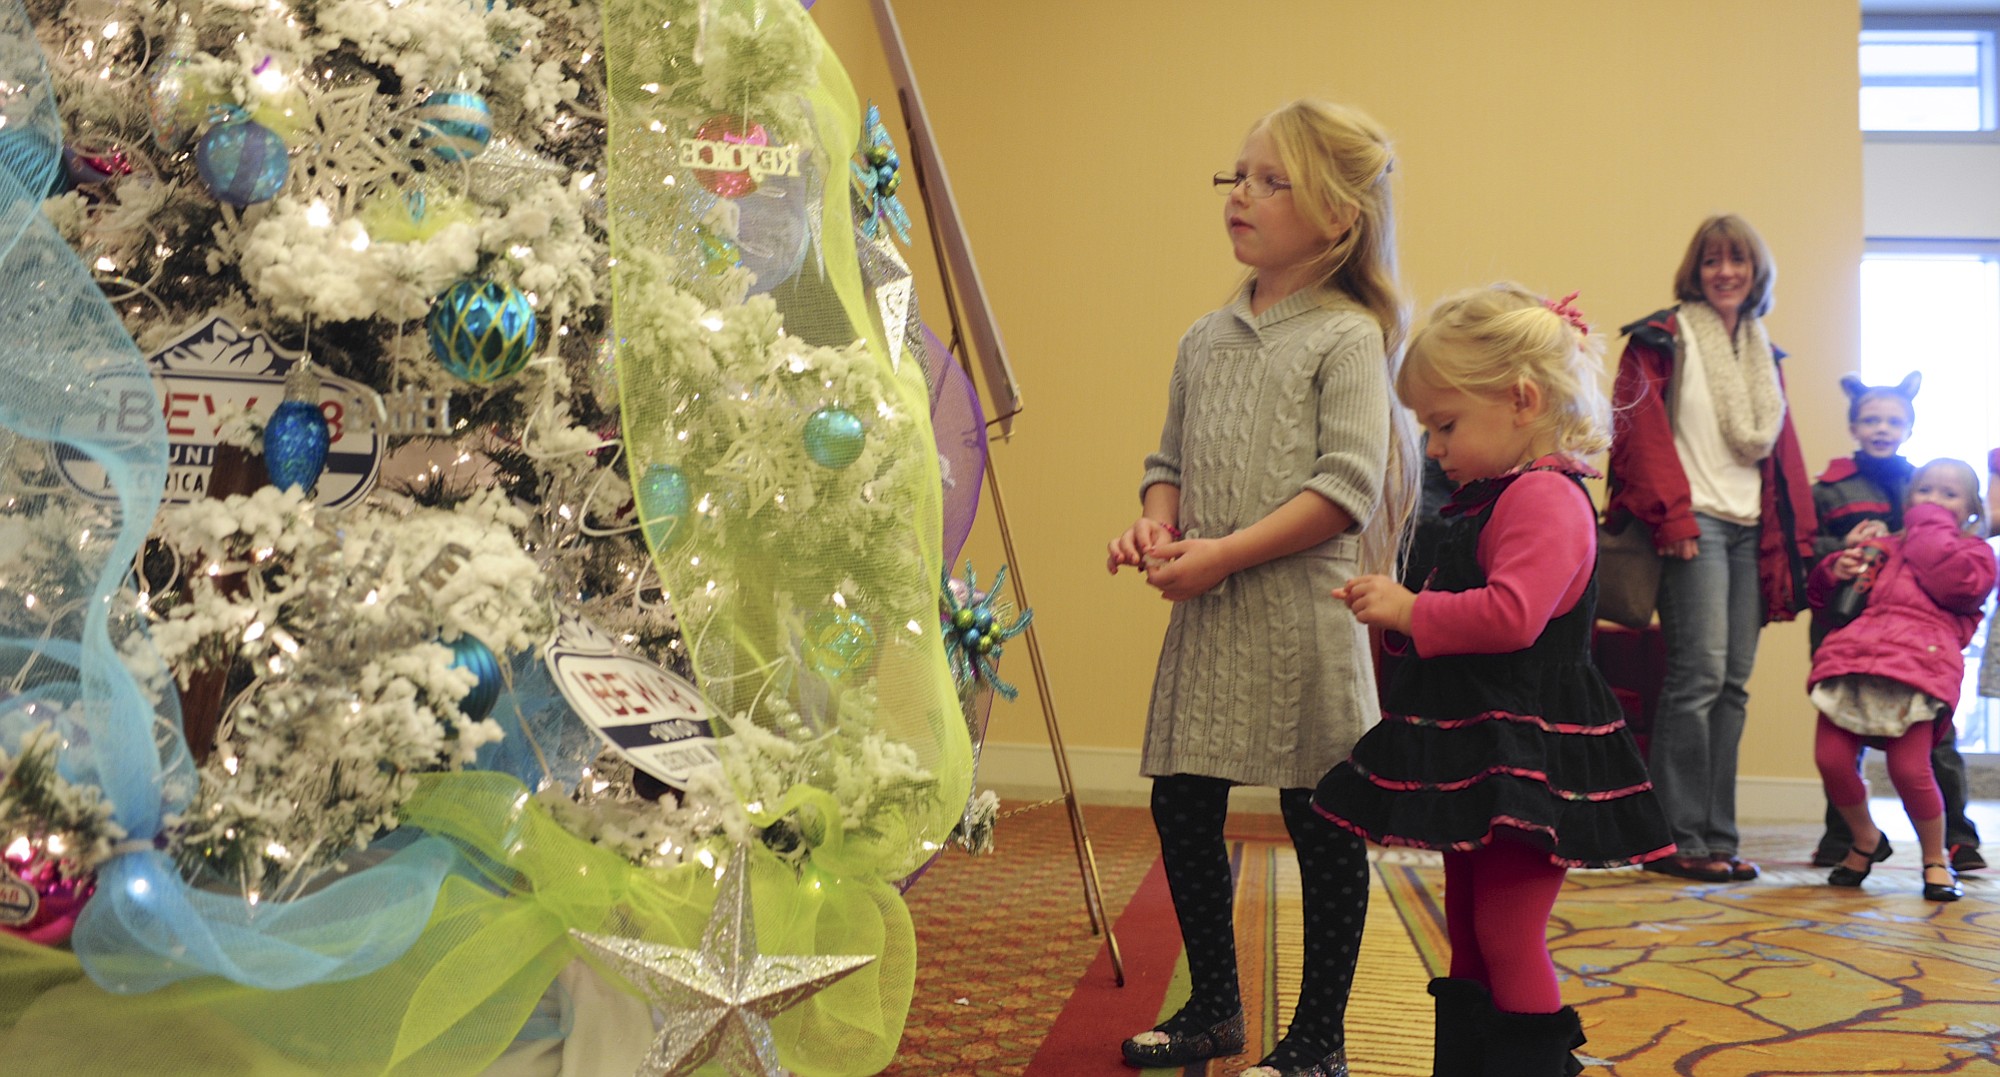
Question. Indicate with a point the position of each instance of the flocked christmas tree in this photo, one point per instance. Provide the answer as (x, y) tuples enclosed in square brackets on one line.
[(472, 323)]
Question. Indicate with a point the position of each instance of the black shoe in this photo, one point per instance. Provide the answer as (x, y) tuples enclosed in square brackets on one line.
[(1950, 891), (1842, 875), (1158, 1048), (1824, 857), (1700, 869), (1740, 870), (1966, 858), (1333, 1065)]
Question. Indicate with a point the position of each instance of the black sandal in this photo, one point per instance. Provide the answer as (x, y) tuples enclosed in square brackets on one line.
[(1842, 875), (1950, 891), (1159, 1048), (1333, 1065)]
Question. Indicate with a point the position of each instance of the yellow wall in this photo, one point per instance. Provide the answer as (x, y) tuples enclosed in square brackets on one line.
[(1568, 145)]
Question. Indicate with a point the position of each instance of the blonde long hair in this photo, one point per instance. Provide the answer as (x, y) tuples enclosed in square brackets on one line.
[(1488, 341), (1338, 158)]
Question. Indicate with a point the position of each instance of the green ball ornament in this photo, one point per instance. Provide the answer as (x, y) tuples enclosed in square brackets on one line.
[(664, 498), (987, 643), (838, 642), (834, 437), (962, 620)]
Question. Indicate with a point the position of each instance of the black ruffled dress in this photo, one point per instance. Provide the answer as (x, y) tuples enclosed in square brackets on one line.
[(1470, 744)]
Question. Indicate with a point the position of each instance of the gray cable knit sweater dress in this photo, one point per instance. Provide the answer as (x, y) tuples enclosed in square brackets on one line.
[(1267, 680)]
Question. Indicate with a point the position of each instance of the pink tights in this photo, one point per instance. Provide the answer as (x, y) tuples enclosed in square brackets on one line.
[(1497, 902), (1838, 753)]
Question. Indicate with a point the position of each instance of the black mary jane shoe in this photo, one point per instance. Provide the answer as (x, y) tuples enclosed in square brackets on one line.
[(1155, 1048), (1333, 1065), (1950, 891), (1842, 875)]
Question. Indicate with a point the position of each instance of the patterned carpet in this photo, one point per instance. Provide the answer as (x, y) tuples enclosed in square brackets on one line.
[(1782, 976)]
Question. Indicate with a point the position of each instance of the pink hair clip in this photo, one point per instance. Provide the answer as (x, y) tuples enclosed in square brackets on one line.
[(1567, 308)]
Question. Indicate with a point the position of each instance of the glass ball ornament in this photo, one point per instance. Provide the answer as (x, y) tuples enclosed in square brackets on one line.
[(834, 437), (482, 331), (456, 124), (37, 902), (725, 128), (468, 653), (243, 162), (773, 231), (963, 619), (664, 498), (838, 642), (295, 444)]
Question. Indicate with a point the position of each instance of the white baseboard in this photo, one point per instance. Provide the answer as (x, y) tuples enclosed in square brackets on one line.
[(1111, 776)]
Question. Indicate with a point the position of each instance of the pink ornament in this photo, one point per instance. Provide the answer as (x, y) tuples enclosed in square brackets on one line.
[(727, 130), (36, 902)]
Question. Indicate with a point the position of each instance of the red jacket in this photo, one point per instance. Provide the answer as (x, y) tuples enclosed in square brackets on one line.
[(1647, 481), (1923, 610)]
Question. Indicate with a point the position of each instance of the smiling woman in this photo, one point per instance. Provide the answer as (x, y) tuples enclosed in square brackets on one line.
[(1706, 458)]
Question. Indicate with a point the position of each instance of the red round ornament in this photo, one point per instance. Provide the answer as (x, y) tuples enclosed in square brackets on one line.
[(730, 131)]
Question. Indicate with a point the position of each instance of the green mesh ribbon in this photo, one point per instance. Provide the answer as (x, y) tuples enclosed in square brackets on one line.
[(498, 938)]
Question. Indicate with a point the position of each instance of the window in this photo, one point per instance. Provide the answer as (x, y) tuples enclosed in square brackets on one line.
[(1935, 307), (1927, 78)]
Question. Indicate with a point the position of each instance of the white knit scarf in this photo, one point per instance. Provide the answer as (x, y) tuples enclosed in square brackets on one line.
[(1742, 379)]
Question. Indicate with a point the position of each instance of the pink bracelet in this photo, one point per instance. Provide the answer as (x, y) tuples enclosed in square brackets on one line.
[(1174, 531)]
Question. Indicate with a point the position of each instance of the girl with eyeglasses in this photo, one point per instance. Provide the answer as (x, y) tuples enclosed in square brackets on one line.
[(1284, 468)]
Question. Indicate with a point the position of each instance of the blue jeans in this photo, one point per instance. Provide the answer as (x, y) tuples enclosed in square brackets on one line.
[(1711, 611)]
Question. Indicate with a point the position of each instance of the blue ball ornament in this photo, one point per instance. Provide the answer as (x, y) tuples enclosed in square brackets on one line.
[(664, 498), (469, 653), (482, 331), (242, 161), (295, 442), (983, 619), (457, 124), (834, 437), (838, 642)]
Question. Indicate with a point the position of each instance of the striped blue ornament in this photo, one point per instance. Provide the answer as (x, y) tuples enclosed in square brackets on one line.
[(469, 653), (457, 124), (295, 443), (243, 162), (482, 331)]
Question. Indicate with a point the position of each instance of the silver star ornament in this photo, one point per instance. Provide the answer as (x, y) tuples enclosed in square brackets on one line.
[(717, 1002)]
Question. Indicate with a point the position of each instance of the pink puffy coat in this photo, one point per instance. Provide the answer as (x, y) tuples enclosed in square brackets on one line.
[(1921, 614)]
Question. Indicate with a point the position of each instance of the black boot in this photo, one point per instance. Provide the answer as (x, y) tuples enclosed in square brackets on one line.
[(1464, 1009), (1533, 1044)]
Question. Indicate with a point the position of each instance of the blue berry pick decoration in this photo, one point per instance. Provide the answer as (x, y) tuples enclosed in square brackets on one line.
[(482, 331), (457, 124), (242, 161), (976, 624), (878, 175), (297, 436)]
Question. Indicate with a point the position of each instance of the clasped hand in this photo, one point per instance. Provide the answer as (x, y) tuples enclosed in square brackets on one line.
[(1849, 564), (1379, 602), (1180, 568)]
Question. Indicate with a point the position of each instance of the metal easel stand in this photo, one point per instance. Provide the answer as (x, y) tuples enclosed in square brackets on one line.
[(954, 253)]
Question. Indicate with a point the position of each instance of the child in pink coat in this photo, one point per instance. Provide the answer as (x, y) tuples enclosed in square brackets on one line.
[(1891, 677)]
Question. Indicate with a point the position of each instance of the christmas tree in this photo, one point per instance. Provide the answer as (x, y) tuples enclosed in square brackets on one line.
[(482, 335)]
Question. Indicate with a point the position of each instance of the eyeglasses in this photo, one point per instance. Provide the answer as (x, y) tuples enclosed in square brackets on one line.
[(1259, 186)]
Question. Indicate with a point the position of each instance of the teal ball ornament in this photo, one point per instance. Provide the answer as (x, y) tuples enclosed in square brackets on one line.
[(838, 642), (470, 654), (243, 162), (664, 498), (482, 331), (295, 443), (834, 437), (457, 124)]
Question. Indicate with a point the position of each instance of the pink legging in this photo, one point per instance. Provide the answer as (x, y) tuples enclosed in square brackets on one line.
[(1497, 902), (1838, 753)]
